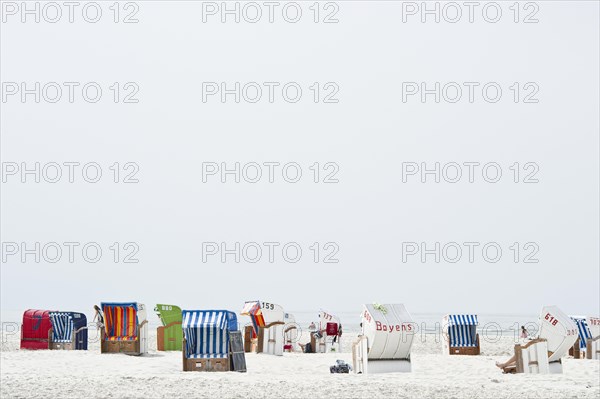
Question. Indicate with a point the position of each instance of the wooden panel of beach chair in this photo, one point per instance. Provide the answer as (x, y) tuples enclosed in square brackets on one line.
[(260, 344), (237, 353), (593, 348), (575, 351), (248, 331)]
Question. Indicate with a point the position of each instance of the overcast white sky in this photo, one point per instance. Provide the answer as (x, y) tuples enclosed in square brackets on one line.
[(368, 134)]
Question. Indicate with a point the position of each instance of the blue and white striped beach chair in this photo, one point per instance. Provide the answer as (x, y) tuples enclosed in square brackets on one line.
[(206, 339), (462, 337)]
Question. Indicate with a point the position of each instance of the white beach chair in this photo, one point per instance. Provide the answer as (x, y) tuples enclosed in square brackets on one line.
[(329, 328), (543, 355), (387, 336), (592, 349), (268, 321)]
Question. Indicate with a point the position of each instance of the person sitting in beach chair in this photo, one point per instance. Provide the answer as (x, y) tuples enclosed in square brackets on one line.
[(543, 355)]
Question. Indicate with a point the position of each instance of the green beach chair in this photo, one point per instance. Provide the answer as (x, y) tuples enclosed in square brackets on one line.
[(169, 336)]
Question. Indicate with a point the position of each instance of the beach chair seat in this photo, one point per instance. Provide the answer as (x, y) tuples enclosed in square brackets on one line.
[(130, 338), (207, 356)]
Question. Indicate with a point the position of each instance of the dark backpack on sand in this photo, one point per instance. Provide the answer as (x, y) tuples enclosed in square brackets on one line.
[(308, 348)]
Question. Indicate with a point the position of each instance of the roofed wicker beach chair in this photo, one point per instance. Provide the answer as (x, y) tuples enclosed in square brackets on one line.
[(386, 340), (169, 336), (125, 328), (268, 321), (207, 343), (460, 334), (329, 329), (543, 355)]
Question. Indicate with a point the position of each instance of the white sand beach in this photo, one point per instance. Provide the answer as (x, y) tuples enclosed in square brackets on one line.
[(64, 374)]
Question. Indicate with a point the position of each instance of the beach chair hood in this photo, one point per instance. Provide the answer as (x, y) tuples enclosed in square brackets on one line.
[(168, 314), (559, 330), (461, 329), (262, 314), (389, 330), (326, 317)]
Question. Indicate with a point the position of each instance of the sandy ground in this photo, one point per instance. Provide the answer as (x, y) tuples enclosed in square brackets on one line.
[(43, 374)]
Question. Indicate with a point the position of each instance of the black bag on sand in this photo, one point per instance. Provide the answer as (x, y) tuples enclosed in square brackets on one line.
[(308, 348)]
